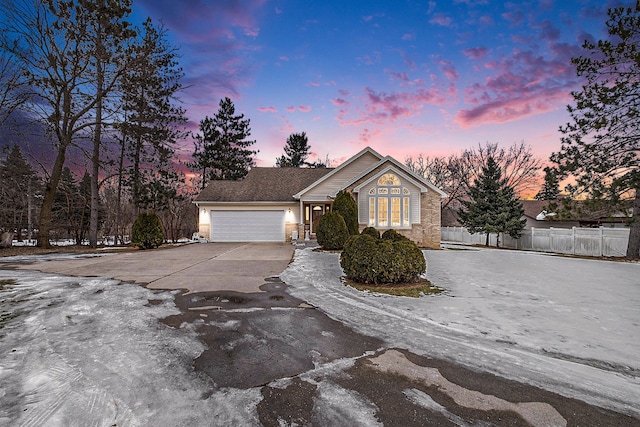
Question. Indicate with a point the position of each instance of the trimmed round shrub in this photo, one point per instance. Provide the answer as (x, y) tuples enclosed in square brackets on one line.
[(146, 232), (332, 231), (366, 259), (346, 206), (393, 235), (370, 231)]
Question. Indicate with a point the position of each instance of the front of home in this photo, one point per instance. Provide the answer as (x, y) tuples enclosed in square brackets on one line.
[(280, 204)]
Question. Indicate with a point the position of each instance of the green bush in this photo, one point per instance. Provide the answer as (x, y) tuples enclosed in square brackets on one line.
[(146, 232), (346, 206), (393, 235), (332, 231), (370, 231), (367, 259)]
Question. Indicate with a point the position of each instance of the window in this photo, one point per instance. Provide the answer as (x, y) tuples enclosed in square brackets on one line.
[(385, 211), (395, 211), (372, 211), (388, 179)]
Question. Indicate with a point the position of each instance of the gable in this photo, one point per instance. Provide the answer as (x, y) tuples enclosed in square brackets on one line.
[(333, 182)]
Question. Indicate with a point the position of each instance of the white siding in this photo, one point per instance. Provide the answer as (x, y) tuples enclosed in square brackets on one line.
[(247, 226), (335, 182)]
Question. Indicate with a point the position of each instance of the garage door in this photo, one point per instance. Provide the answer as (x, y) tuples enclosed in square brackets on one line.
[(247, 226)]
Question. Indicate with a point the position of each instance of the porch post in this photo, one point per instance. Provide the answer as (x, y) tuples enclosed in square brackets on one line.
[(301, 221)]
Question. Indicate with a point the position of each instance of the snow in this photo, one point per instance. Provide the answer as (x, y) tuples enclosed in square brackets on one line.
[(92, 351), (567, 325)]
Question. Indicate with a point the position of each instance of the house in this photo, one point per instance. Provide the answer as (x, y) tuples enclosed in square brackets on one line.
[(280, 204)]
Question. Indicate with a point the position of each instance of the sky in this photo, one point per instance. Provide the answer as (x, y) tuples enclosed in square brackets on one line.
[(403, 77)]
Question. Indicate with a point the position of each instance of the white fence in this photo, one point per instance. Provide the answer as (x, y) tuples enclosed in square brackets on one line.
[(610, 242)]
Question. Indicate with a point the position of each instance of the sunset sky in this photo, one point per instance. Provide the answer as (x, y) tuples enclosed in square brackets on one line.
[(404, 77)]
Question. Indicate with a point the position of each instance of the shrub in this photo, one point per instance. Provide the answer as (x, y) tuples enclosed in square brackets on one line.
[(366, 259), (370, 231), (346, 206), (146, 232), (393, 235), (332, 231)]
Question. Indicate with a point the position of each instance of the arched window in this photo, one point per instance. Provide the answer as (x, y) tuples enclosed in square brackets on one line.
[(389, 203)]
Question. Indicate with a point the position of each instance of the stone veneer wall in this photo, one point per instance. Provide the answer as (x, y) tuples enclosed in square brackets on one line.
[(427, 233)]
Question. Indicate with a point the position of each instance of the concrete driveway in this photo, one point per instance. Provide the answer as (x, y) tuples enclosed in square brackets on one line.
[(240, 267)]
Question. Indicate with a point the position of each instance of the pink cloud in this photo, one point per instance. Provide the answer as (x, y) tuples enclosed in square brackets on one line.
[(440, 19), (291, 109), (449, 70), (381, 107), (315, 84), (304, 108), (339, 102), (524, 84), (408, 36), (268, 109), (476, 52), (486, 20)]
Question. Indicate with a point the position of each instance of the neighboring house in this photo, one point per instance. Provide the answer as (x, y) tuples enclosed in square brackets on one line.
[(278, 204), (534, 213), (537, 215)]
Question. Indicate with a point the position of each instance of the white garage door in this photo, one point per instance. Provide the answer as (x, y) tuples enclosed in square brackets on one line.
[(247, 226)]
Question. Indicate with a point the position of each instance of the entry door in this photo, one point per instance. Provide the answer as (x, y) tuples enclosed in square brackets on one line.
[(316, 212)]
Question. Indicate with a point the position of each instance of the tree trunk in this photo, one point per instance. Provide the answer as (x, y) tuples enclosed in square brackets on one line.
[(486, 242), (49, 196), (633, 247)]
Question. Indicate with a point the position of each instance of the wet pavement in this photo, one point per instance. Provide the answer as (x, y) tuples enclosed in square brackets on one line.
[(300, 357), (312, 370)]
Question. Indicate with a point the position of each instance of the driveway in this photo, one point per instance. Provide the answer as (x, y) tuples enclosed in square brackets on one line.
[(241, 267), (307, 350)]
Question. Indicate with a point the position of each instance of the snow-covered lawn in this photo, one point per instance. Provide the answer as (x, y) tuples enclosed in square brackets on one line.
[(93, 351), (566, 324)]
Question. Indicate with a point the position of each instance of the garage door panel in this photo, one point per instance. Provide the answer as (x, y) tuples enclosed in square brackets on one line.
[(247, 226)]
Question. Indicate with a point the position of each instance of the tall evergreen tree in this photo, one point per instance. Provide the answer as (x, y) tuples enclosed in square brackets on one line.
[(600, 146), (223, 150), (551, 187), (152, 119), (19, 185), (296, 151), (494, 207)]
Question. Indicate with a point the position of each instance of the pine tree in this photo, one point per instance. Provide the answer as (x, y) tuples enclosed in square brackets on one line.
[(296, 151), (223, 150), (493, 208), (153, 122), (19, 185), (550, 189), (600, 146)]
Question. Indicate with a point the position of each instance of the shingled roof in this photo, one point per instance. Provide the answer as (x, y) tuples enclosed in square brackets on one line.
[(263, 185)]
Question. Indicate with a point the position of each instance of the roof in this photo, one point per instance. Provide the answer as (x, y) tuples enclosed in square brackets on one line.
[(533, 207), (263, 185)]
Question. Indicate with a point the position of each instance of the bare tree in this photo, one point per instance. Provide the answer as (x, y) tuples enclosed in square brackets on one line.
[(520, 169), (450, 174), (455, 174), (53, 44)]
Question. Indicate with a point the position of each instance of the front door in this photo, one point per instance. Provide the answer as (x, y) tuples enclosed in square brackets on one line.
[(316, 212)]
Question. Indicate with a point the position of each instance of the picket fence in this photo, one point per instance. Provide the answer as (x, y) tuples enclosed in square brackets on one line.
[(608, 242)]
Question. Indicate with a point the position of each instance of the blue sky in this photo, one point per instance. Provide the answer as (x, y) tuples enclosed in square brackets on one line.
[(404, 77)]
